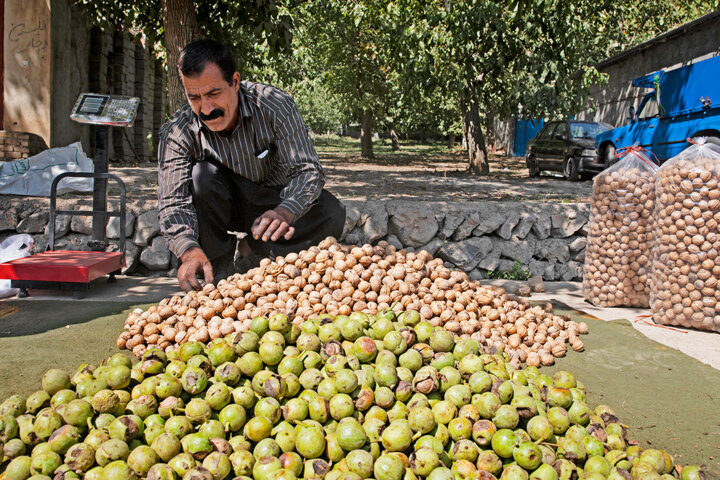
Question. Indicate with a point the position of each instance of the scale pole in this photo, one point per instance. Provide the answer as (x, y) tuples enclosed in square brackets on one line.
[(99, 219)]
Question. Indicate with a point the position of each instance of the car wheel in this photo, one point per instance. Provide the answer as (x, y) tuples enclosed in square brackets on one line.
[(533, 167), (609, 156), (570, 169)]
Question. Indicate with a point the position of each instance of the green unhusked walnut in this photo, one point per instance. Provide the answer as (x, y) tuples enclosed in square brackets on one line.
[(347, 411)]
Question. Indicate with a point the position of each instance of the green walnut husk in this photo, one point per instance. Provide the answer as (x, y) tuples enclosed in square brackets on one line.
[(341, 398)]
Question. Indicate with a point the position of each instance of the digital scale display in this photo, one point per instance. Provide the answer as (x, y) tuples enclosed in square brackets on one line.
[(98, 109)]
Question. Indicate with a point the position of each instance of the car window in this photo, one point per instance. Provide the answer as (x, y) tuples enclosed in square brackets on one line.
[(548, 131), (587, 130), (562, 129), (649, 109)]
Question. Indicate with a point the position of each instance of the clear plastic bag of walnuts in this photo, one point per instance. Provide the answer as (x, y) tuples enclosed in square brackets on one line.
[(620, 238), (686, 266)]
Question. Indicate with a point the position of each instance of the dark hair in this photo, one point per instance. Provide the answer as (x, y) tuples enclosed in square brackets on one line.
[(197, 54)]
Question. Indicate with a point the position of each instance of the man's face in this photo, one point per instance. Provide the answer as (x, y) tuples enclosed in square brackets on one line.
[(212, 98)]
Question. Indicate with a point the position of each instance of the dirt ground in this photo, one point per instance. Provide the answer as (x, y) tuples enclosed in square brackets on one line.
[(416, 172)]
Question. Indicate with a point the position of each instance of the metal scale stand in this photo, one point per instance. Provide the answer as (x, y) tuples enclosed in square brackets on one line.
[(74, 270)]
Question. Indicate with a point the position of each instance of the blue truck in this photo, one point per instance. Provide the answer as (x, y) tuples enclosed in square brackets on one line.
[(684, 103)]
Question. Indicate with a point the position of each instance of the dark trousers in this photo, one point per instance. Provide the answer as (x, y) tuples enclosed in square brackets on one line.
[(225, 201)]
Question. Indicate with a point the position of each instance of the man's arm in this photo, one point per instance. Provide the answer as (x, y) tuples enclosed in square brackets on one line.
[(178, 221), (299, 160)]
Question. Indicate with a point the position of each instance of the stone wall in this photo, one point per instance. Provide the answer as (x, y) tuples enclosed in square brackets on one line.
[(477, 237)]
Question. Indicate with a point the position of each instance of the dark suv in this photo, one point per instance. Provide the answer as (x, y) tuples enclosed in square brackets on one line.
[(566, 146)]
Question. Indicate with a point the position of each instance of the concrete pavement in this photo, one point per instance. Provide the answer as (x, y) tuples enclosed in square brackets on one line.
[(704, 346)]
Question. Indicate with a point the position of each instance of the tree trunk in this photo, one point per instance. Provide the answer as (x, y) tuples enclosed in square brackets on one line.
[(451, 141), (181, 27), (366, 124), (477, 153), (395, 140), (490, 130)]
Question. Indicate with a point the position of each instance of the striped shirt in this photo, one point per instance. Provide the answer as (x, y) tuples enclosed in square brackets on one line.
[(270, 146)]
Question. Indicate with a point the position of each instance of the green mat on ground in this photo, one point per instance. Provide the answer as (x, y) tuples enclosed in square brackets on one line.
[(669, 400)]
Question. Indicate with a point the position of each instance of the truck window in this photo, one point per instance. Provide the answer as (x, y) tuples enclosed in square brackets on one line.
[(649, 108)]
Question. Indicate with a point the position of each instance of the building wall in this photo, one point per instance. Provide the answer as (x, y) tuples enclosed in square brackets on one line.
[(52, 56), (27, 70), (70, 47), (685, 46)]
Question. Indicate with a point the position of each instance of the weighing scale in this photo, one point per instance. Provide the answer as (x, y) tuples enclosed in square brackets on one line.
[(74, 270)]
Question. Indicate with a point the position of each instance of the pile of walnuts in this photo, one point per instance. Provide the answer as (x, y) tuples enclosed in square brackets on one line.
[(686, 267), (620, 239), (338, 280)]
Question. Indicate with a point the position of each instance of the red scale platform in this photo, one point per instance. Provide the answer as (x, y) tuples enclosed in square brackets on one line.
[(62, 266)]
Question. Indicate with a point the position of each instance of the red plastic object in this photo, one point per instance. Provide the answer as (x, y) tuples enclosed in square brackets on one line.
[(62, 266)]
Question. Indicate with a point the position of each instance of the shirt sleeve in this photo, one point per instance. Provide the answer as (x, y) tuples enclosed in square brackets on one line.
[(178, 220), (297, 157)]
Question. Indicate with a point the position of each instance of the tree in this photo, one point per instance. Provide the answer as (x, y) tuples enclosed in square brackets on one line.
[(350, 47), (171, 24), (536, 55)]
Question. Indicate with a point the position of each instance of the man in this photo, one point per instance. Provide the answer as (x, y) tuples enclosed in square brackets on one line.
[(237, 157)]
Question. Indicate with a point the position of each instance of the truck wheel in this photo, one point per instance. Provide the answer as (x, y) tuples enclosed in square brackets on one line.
[(570, 170), (609, 156)]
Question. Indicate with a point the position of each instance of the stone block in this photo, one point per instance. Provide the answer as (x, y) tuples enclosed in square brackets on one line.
[(352, 215), (413, 227), (552, 248), (465, 229), (578, 244), (520, 250), (373, 222), (113, 226), (527, 220), (566, 224), (81, 224), (506, 229), (146, 228), (466, 254), (34, 223), (132, 258), (452, 222), (541, 227), (157, 255), (574, 272), (62, 226), (491, 219), (432, 246), (8, 219), (394, 241), (353, 238)]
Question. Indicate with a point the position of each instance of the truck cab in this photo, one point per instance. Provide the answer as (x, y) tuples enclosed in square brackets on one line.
[(683, 103)]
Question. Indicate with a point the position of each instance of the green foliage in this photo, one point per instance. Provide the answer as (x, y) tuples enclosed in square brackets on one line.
[(257, 31), (517, 272)]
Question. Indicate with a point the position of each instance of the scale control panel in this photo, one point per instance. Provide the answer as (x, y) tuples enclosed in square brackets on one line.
[(100, 109)]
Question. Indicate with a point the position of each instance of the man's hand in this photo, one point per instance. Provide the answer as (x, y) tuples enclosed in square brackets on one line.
[(273, 224), (194, 262)]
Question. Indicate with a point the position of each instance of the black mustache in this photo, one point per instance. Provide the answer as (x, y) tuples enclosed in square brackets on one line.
[(217, 113)]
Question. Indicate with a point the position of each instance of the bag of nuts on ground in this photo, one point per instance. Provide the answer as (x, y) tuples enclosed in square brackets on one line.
[(686, 266), (617, 257)]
